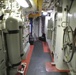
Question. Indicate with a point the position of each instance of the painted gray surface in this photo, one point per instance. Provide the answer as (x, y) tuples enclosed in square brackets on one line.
[(38, 60)]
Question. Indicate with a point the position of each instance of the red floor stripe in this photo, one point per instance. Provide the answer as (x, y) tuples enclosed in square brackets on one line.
[(50, 68), (29, 57), (46, 50), (27, 60), (45, 47)]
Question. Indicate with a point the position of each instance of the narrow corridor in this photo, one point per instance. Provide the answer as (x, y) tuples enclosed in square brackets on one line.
[(37, 65)]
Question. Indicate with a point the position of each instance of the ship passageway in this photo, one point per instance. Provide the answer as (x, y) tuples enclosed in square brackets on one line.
[(40, 61)]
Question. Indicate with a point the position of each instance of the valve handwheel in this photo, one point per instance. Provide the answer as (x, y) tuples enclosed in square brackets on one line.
[(68, 44)]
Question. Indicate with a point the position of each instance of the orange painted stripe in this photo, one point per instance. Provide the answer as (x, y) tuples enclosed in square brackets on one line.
[(45, 47), (46, 50), (51, 68), (28, 58)]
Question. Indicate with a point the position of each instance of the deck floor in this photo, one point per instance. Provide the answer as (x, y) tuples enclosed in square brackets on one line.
[(39, 58)]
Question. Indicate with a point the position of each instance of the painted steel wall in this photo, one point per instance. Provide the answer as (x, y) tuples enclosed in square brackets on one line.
[(72, 22)]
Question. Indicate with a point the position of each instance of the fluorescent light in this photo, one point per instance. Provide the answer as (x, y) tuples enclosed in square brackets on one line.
[(23, 3), (44, 13), (70, 15), (60, 14)]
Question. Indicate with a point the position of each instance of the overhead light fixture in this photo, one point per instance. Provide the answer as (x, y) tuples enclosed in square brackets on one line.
[(44, 13), (60, 14), (70, 15), (23, 3)]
